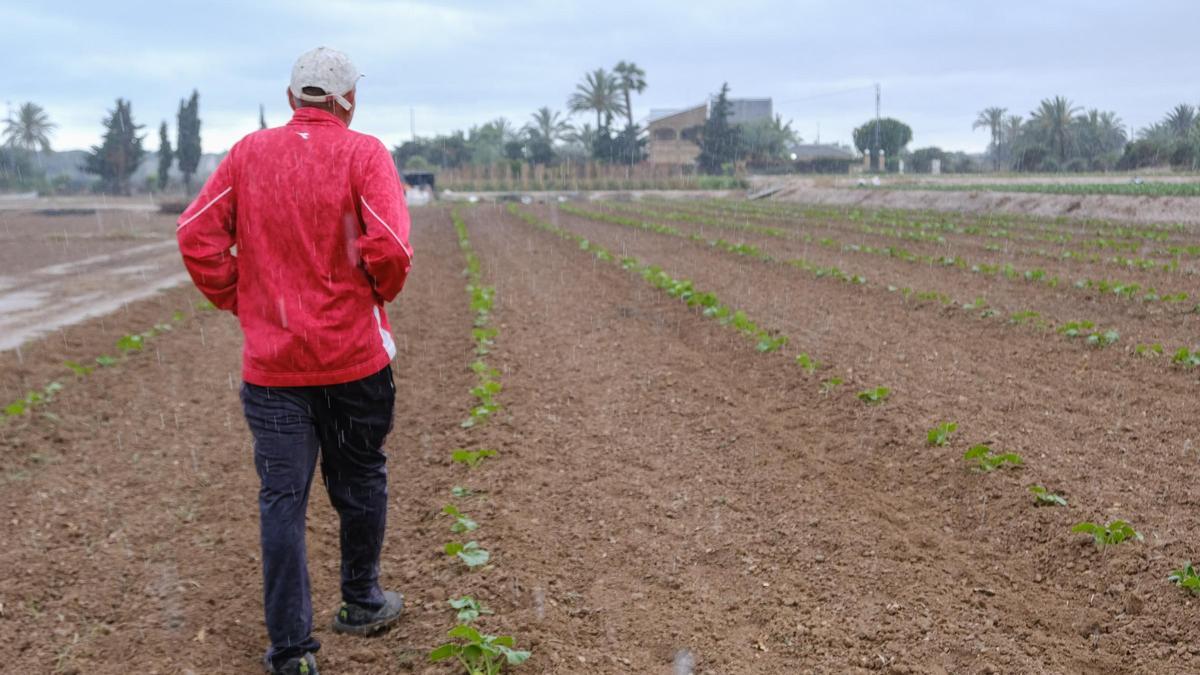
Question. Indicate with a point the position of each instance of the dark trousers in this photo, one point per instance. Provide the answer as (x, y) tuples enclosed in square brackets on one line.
[(345, 425)]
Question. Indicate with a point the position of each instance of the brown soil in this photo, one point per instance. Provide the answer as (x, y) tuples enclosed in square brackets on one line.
[(665, 496), (1170, 324)]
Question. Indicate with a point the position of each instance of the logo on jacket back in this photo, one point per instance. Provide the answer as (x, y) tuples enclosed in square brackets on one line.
[(302, 134)]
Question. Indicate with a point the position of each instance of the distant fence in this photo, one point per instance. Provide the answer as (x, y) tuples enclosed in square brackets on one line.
[(570, 176)]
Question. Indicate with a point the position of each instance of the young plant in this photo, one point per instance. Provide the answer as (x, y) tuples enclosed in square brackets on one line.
[(470, 553), (105, 361), (1186, 577), (1186, 357), (1042, 496), (131, 343), (478, 653), (468, 609), (808, 363), (985, 461), (471, 458), (874, 396), (940, 435), (78, 368), (1105, 339), (461, 492), (831, 384), (462, 523), (1114, 533)]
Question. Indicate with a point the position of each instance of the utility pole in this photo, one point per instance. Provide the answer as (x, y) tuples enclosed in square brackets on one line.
[(877, 140), (412, 122)]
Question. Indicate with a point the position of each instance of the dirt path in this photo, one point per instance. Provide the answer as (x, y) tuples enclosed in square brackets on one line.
[(1134, 209), (64, 264)]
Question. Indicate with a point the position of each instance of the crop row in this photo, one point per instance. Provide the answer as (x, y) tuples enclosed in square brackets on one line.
[(980, 457), (125, 345), (934, 233), (993, 224), (476, 652), (1127, 290), (1084, 331)]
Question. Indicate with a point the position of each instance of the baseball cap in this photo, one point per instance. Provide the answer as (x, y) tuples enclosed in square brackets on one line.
[(328, 70)]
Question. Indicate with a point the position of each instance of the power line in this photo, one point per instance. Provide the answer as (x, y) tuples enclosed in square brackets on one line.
[(826, 94)]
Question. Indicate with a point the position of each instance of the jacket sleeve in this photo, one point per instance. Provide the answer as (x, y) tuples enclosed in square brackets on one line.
[(206, 234), (383, 246)]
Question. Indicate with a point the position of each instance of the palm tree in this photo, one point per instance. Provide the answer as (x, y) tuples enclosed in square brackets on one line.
[(597, 92), (993, 120), (630, 78), (548, 125), (1180, 120), (1054, 116), (30, 129)]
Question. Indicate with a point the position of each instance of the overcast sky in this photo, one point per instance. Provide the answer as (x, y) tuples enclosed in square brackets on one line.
[(455, 64)]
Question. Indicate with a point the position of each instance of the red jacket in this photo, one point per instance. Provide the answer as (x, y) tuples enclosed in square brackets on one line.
[(321, 232)]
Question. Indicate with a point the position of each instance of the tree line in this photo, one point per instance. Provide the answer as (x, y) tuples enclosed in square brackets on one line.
[(550, 137), (1061, 136), (114, 160)]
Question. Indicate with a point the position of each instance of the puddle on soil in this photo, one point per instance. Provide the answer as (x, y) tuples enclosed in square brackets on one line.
[(11, 303), (68, 267), (16, 329)]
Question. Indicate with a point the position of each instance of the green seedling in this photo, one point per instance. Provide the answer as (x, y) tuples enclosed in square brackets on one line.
[(1186, 577), (1116, 532), (831, 384), (78, 368), (985, 461), (462, 523), (1043, 496), (470, 553), (1109, 337), (1155, 349), (205, 306), (808, 363), (766, 343), (471, 458), (478, 653), (106, 361), (177, 316), (940, 435), (468, 608), (461, 492), (131, 343), (1186, 358), (16, 408), (1076, 329), (874, 396)]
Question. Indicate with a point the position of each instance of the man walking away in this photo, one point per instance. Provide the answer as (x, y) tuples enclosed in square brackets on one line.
[(320, 225)]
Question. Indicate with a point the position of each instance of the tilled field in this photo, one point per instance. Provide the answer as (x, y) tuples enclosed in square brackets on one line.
[(666, 497)]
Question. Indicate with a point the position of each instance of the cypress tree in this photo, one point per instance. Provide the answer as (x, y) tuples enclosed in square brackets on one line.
[(187, 150), (165, 156), (719, 139), (120, 153)]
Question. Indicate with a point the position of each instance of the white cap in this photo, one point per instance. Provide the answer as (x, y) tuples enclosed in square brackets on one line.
[(327, 69)]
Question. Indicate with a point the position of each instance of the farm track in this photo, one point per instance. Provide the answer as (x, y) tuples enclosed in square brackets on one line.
[(660, 487), (1170, 324)]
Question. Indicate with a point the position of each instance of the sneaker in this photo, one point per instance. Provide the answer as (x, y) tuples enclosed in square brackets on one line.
[(356, 620), (299, 665)]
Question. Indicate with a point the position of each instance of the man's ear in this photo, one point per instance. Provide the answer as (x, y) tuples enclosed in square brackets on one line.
[(290, 98)]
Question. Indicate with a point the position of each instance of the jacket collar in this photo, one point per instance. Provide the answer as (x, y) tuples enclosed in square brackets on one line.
[(307, 115)]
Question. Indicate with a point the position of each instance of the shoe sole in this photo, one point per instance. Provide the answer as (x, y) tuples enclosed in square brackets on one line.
[(366, 629)]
